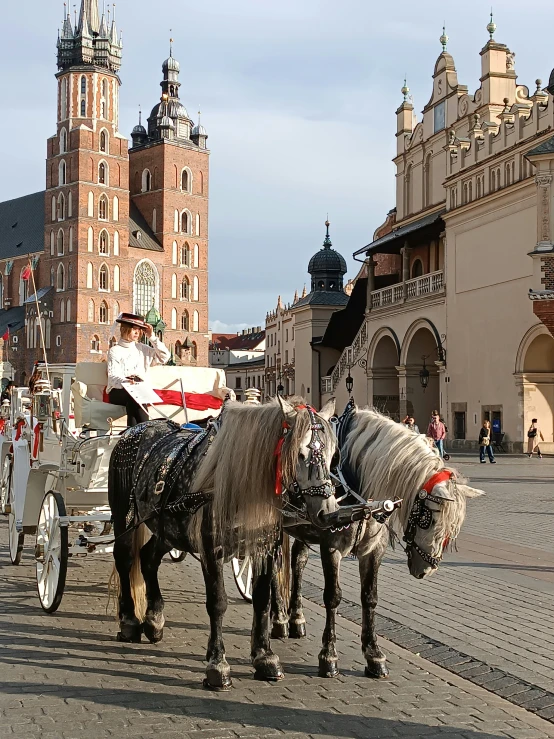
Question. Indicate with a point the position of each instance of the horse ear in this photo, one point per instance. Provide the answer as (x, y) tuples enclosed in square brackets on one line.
[(286, 408), (471, 492), (328, 410)]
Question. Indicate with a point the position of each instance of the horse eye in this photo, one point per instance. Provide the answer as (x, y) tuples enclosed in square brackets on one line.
[(335, 460), (302, 457)]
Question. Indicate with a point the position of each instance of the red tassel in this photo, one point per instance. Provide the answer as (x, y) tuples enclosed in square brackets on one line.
[(37, 431), (19, 425), (279, 471)]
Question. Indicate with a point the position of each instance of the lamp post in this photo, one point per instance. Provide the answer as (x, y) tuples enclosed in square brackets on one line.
[(349, 379), (424, 375)]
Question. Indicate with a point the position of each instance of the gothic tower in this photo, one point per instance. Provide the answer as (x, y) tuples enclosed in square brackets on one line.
[(87, 190), (169, 166)]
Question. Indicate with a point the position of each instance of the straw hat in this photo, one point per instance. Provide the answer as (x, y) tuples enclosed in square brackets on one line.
[(131, 319)]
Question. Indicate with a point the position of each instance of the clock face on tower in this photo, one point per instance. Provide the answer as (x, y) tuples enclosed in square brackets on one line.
[(440, 116)]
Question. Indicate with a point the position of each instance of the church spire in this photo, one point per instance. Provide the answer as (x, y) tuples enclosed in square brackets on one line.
[(89, 12)]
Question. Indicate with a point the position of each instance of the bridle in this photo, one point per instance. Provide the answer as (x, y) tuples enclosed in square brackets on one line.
[(422, 517)]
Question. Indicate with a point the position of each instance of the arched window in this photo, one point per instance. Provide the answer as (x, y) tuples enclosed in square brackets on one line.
[(194, 351), (70, 204), (185, 324), (103, 141), (103, 208), (71, 238), (62, 311), (54, 206), (116, 278), (90, 209), (176, 222), (90, 239), (174, 253), (60, 278), (186, 180), (63, 100), (146, 180), (195, 321), (83, 108), (115, 209), (145, 284), (63, 140), (185, 222), (52, 243), (198, 224), (70, 277), (174, 286), (95, 344), (195, 288), (103, 312), (52, 276), (61, 172), (48, 333), (102, 174), (417, 268), (104, 243), (195, 257), (185, 289), (89, 275), (91, 311), (68, 311), (104, 278), (116, 244), (173, 318), (83, 85), (61, 207), (104, 88), (60, 243), (185, 255)]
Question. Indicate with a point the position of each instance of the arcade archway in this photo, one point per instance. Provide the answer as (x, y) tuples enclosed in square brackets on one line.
[(420, 349), (385, 376)]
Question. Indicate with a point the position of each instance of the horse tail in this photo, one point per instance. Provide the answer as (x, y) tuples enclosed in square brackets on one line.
[(285, 572), (138, 586)]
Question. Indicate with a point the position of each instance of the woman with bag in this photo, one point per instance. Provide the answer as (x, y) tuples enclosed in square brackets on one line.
[(534, 437), (485, 443)]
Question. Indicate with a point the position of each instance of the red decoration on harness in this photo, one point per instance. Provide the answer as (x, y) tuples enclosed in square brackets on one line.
[(279, 470), (36, 431), (436, 479), (18, 427), (2, 425)]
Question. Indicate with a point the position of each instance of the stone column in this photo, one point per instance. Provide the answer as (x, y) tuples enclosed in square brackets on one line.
[(370, 264), (544, 199), (402, 391), (405, 251), (369, 373)]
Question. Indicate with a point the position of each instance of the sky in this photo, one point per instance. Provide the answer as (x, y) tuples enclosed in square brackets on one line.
[(298, 98)]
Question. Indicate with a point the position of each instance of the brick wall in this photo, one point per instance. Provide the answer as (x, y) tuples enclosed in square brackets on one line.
[(547, 268)]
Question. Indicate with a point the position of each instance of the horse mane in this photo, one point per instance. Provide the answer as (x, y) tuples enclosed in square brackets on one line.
[(240, 472), (392, 462)]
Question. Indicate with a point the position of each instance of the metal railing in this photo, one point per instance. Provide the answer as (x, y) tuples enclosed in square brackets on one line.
[(415, 288)]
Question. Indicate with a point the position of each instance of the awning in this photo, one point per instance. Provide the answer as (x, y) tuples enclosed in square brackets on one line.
[(390, 243)]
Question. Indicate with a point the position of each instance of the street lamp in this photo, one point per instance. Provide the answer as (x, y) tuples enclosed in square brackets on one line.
[(424, 376), (349, 379), (280, 389), (349, 383)]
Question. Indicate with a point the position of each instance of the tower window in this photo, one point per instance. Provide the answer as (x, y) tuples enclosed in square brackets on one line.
[(185, 256), (63, 141), (146, 181), (145, 287), (83, 108), (103, 208), (103, 141), (95, 344), (185, 289), (102, 173), (60, 243), (103, 278), (185, 321), (60, 280), (61, 207), (61, 173), (104, 244), (185, 181), (83, 85), (185, 222), (103, 317)]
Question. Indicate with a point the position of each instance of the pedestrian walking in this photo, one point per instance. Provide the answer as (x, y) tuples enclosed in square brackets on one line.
[(485, 445), (437, 431), (410, 423), (534, 438)]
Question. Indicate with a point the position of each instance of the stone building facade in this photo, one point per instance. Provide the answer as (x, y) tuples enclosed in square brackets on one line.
[(473, 234), (124, 229)]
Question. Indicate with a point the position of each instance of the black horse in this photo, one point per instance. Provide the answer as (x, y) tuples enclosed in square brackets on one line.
[(381, 460), (216, 492)]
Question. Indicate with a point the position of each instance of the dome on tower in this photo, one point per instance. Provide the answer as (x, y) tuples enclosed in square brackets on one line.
[(173, 108), (139, 130), (199, 130), (166, 122), (171, 65), (327, 259)]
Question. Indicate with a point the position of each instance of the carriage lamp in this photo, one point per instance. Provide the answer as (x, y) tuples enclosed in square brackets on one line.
[(349, 384), (280, 389), (424, 376)]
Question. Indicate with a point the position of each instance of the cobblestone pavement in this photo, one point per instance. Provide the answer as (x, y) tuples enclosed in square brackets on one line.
[(65, 677), (494, 598)]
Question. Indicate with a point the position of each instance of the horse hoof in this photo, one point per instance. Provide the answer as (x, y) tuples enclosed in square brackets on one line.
[(280, 631), (376, 670), (129, 636), (271, 677), (152, 633), (217, 679), (297, 630), (268, 668), (328, 668)]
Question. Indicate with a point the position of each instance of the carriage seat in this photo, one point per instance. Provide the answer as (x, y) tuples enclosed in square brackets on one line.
[(91, 378)]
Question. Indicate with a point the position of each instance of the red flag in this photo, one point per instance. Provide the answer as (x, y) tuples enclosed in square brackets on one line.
[(26, 272), (6, 336)]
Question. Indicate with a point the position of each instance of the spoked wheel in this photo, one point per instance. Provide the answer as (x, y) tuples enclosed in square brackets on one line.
[(51, 552), (176, 555), (17, 538), (243, 573)]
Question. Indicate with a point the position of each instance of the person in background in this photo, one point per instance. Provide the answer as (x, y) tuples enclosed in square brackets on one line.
[(485, 443), (7, 392), (437, 431), (129, 360), (410, 423), (534, 438)]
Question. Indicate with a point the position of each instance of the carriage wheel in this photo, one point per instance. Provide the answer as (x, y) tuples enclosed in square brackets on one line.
[(243, 573), (176, 555), (17, 538), (51, 552)]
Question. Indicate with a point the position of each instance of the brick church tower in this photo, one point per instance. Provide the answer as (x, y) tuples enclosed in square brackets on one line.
[(87, 197)]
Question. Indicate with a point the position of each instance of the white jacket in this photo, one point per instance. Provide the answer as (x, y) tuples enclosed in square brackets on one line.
[(128, 358)]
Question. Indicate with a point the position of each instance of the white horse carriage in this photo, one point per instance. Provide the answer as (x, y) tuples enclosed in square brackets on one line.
[(55, 450)]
